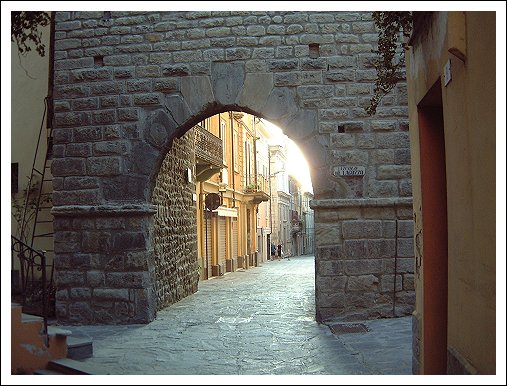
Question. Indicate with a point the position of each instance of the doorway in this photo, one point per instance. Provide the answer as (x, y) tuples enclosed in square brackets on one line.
[(434, 219)]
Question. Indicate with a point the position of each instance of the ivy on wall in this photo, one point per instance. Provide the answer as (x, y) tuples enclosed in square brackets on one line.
[(25, 30), (394, 28)]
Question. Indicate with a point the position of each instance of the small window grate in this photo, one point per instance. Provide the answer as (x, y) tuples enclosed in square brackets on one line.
[(314, 50)]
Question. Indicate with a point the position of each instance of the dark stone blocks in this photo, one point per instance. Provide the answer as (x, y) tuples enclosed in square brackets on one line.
[(133, 188)]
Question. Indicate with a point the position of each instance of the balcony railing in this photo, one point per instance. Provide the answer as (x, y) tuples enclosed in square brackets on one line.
[(208, 154), (208, 147), (257, 192), (296, 223), (263, 183)]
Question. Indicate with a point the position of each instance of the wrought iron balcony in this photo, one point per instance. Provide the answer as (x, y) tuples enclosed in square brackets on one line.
[(296, 227), (296, 223), (208, 154), (259, 192)]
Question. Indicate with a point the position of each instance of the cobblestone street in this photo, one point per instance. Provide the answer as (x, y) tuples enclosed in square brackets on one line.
[(250, 322)]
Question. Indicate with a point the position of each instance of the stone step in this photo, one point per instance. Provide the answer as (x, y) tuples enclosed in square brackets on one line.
[(46, 372), (69, 366), (28, 318), (53, 330), (79, 348)]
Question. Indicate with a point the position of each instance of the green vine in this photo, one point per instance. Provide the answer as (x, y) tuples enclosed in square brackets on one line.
[(390, 61), (25, 30)]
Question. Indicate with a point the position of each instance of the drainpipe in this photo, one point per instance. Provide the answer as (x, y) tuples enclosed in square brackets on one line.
[(256, 211), (270, 196), (232, 154), (255, 151), (206, 213)]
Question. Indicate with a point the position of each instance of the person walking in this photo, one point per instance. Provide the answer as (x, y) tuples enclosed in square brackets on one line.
[(273, 251), (280, 252)]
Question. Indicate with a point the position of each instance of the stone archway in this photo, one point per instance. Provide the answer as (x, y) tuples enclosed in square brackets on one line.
[(151, 76)]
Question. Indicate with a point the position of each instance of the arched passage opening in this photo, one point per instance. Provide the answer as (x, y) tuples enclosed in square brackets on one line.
[(260, 201)]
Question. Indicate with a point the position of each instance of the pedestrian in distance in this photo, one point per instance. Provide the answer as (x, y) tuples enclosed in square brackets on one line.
[(280, 252), (273, 251)]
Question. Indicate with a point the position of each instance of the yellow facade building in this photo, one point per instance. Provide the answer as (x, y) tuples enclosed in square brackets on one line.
[(264, 221), (452, 86), (229, 191)]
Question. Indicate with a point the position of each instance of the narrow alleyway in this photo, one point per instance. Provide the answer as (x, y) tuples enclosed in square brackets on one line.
[(256, 321)]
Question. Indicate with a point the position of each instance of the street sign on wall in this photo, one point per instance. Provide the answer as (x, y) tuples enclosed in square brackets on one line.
[(212, 201), (344, 171)]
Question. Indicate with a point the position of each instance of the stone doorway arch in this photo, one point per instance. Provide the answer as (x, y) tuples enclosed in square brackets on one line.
[(151, 76)]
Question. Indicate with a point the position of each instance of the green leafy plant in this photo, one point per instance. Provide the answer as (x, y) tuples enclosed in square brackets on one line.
[(251, 187), (25, 30), (394, 28)]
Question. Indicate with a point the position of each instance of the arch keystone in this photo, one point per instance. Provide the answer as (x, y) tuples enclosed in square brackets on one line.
[(227, 80), (256, 90)]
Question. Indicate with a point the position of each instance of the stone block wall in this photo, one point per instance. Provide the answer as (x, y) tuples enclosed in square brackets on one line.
[(365, 259), (126, 84), (175, 224), (104, 265)]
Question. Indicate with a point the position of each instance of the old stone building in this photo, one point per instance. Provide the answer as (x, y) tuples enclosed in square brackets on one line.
[(128, 85), (296, 202), (307, 224), (175, 229), (279, 193)]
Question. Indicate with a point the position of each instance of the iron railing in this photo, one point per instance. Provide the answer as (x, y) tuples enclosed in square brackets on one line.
[(261, 185), (208, 147), (36, 290)]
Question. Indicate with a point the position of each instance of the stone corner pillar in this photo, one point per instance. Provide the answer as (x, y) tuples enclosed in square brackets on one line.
[(364, 258), (104, 265)]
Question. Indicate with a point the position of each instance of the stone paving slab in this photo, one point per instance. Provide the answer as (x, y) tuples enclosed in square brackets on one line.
[(253, 322)]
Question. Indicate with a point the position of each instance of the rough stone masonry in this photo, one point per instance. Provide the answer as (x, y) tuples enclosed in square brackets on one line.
[(128, 84)]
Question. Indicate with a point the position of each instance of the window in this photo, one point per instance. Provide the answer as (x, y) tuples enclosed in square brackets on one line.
[(206, 124), (235, 148), (223, 136), (248, 177), (224, 176)]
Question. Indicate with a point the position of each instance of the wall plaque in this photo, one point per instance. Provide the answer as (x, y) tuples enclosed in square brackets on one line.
[(345, 171)]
